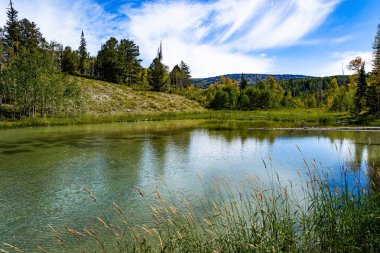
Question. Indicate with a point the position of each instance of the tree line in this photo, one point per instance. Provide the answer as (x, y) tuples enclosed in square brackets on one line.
[(31, 82), (357, 94), (32, 70), (34, 80)]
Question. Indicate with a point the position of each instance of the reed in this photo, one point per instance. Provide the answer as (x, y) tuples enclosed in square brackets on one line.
[(260, 216), (322, 214), (300, 117)]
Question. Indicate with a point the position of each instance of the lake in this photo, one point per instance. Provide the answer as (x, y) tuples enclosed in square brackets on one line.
[(43, 171)]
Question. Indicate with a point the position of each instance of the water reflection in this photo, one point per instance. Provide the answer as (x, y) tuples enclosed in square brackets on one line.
[(43, 170)]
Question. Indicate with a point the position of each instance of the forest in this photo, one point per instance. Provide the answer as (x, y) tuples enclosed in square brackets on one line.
[(35, 78)]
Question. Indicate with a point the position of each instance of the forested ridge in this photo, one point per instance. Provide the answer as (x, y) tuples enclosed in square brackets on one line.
[(35, 78)]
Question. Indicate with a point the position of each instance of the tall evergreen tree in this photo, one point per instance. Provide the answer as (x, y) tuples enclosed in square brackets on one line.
[(176, 77), (186, 74), (12, 30), (180, 76), (69, 61), (373, 98), (358, 65), (108, 63), (158, 72), (30, 36), (131, 64), (376, 57), (243, 82), (361, 92), (83, 55)]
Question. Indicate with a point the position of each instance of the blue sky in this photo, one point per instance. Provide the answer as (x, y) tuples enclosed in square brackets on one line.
[(311, 37)]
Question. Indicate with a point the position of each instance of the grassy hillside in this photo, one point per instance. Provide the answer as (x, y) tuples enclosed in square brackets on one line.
[(101, 98)]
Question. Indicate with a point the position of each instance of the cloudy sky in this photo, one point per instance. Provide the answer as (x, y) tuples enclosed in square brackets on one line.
[(311, 37)]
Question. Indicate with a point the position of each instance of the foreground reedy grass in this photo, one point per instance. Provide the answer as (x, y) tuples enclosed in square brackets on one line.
[(273, 216), (306, 116)]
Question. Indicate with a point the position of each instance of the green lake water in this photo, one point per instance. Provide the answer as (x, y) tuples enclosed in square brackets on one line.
[(43, 170)]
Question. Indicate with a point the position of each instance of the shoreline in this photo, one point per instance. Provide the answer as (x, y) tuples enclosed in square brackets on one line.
[(361, 129), (305, 119)]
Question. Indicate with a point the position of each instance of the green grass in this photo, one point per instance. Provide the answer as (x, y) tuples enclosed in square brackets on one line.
[(300, 117), (256, 217)]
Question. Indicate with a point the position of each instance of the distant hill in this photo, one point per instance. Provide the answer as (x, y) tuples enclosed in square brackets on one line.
[(252, 79)]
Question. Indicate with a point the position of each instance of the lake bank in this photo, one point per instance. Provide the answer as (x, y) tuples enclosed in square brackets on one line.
[(299, 118)]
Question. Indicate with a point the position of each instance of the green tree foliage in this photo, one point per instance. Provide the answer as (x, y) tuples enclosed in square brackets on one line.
[(376, 57), (129, 54), (158, 77), (361, 92), (243, 82), (83, 55), (31, 83), (108, 64), (244, 102), (373, 98), (69, 61), (185, 69), (30, 35), (180, 76), (119, 62), (358, 65), (276, 92), (11, 37), (31, 86), (332, 92), (224, 94)]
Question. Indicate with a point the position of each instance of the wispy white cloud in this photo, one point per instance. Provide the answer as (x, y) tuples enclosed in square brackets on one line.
[(329, 41), (337, 63), (63, 21), (226, 28)]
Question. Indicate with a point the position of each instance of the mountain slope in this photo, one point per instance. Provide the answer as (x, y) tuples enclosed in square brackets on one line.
[(101, 97)]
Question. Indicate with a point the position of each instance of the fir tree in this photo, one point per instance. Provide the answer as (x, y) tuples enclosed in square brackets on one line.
[(69, 62), (373, 97), (158, 72), (185, 69), (361, 92), (176, 77), (108, 64), (131, 64), (243, 82), (83, 55), (30, 36), (376, 57), (12, 30)]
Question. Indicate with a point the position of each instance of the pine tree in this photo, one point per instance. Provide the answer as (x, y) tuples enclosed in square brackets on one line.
[(176, 77), (373, 97), (243, 82), (376, 57), (129, 54), (186, 74), (12, 30), (361, 92), (69, 62), (30, 36), (83, 55), (158, 72), (108, 64)]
